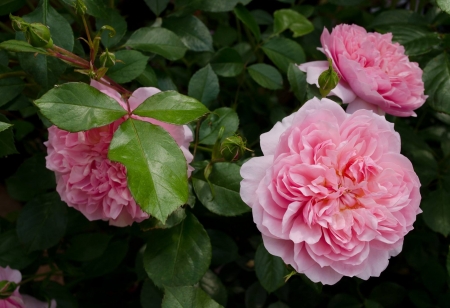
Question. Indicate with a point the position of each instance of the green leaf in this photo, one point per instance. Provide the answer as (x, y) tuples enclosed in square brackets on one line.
[(158, 40), (187, 297), (179, 255), (266, 76), (12, 252), (132, 66), (224, 249), (227, 63), (209, 5), (209, 130), (174, 219), (347, 2), (290, 19), (204, 85), (398, 17), (212, 285), (444, 5), (151, 296), (255, 296), (221, 195), (388, 294), (148, 77), (171, 107), (7, 146), (87, 246), (42, 222), (436, 211), (114, 19), (96, 8), (192, 32), (297, 80), (76, 106), (270, 269), (417, 40), (156, 166), (436, 76), (248, 20), (9, 6), (283, 51), (343, 301), (4, 126), (20, 46), (31, 179), (157, 6), (108, 261), (262, 17)]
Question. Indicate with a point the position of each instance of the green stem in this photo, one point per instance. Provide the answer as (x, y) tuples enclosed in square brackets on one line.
[(6, 28), (45, 10), (12, 74), (203, 148)]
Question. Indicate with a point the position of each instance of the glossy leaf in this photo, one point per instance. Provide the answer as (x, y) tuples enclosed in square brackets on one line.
[(204, 85), (221, 194), (290, 19), (436, 76), (297, 80), (42, 222), (156, 167), (9, 6), (248, 20), (131, 65), (114, 19), (270, 269), (148, 77), (157, 6), (178, 256), (283, 51), (187, 297), (76, 106), (191, 31), (266, 76), (20, 46), (4, 126), (222, 117), (227, 63), (436, 211), (171, 107), (158, 40)]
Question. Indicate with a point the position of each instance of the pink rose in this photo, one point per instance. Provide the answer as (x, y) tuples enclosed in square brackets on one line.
[(16, 300), (375, 73), (332, 195), (87, 180)]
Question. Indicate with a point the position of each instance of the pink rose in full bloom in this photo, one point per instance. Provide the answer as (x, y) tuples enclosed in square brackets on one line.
[(375, 73), (332, 195), (87, 180), (16, 300)]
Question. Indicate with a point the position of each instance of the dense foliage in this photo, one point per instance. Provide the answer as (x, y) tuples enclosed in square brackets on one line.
[(227, 70)]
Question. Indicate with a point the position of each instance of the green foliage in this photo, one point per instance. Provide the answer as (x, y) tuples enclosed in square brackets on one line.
[(270, 270)]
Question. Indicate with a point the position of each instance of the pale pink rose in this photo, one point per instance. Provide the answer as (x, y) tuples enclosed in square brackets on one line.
[(375, 73), (332, 195), (16, 300), (87, 180)]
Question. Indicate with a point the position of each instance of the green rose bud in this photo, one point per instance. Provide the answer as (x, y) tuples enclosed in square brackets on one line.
[(328, 80), (232, 148), (18, 23), (7, 288), (38, 35), (107, 59)]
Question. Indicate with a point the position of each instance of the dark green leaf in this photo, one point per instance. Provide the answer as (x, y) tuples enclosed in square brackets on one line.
[(148, 77), (96, 8), (7, 146), (297, 80), (179, 255), (187, 297), (249, 21), (266, 76), (10, 87), (42, 222), (224, 249), (108, 261), (262, 17), (131, 65), (347, 2), (344, 301), (444, 5), (156, 166), (114, 19), (76, 106), (157, 6), (13, 253), (209, 130), (283, 51), (278, 305), (290, 19), (398, 17), (270, 269), (20, 46), (255, 296), (192, 32), (210, 5), (31, 179), (158, 40), (436, 76), (221, 195), (436, 211), (388, 294), (204, 85), (171, 107), (174, 219), (151, 296), (10, 6), (227, 63), (212, 285), (87, 246)]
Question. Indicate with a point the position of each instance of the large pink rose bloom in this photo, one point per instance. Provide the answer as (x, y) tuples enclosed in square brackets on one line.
[(87, 180), (332, 195), (375, 73), (16, 300)]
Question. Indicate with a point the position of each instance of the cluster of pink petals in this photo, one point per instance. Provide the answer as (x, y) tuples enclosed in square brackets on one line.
[(332, 195), (17, 300), (87, 180), (375, 73)]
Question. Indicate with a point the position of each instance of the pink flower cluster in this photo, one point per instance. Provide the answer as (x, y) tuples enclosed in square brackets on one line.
[(375, 73), (332, 195), (17, 300), (87, 180)]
